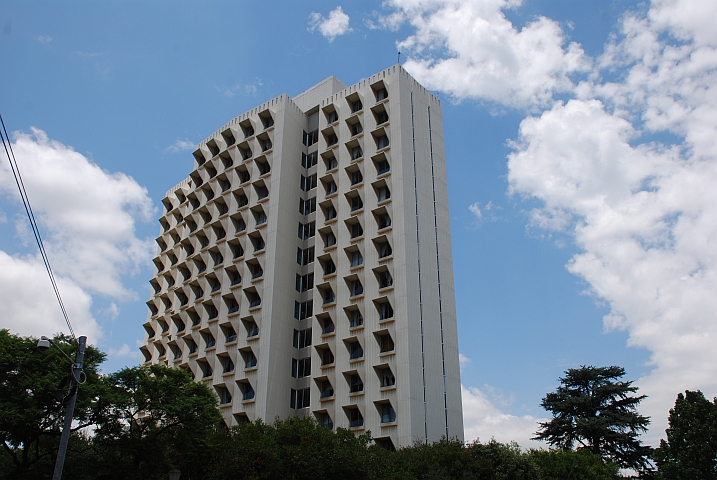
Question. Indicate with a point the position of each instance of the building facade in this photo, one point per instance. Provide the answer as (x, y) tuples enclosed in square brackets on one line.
[(304, 266)]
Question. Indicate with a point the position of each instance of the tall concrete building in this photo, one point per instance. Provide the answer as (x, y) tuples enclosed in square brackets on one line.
[(304, 266)]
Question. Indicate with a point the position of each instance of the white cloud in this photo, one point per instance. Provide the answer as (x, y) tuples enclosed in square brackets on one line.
[(464, 361), (181, 145), (640, 205), (469, 49), (29, 305), (483, 420), (87, 219), (336, 24), (644, 213), (44, 39), (125, 351)]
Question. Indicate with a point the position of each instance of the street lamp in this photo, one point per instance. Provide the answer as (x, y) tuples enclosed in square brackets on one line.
[(43, 344), (174, 474)]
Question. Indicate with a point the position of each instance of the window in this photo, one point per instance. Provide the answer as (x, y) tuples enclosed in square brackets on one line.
[(194, 316), (356, 288), (233, 306), (244, 175), (329, 267), (225, 397), (207, 371), (249, 359), (384, 279), (307, 230), (183, 299), (192, 346), (211, 341), (356, 153), (237, 250), (309, 160), (331, 187), (327, 356), (264, 167), (382, 167), (324, 420), (304, 282), (355, 418), (218, 258), (388, 414), (327, 390), (356, 106), (331, 163), (327, 325), (384, 221), (247, 391), (356, 203), (192, 226), (228, 365), (242, 200), (265, 145), (332, 140), (254, 299), (311, 138), (384, 249), (308, 183), (302, 338), (329, 240), (356, 230), (303, 310), (355, 352), (301, 367), (215, 284), (234, 277), (231, 335), (212, 311), (355, 383), (258, 243), (300, 398), (267, 122), (386, 377), (246, 154), (304, 256), (385, 343), (307, 206), (260, 217), (328, 296), (355, 318), (262, 192), (177, 354), (382, 142), (256, 270), (162, 351), (356, 177), (385, 310), (330, 213), (252, 330), (356, 128), (383, 193), (381, 117), (332, 117), (248, 131), (356, 258), (381, 94)]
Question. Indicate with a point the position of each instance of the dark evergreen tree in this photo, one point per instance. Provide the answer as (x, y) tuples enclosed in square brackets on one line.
[(691, 448), (594, 409)]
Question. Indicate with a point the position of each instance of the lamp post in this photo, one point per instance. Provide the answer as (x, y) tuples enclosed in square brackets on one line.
[(174, 474), (43, 345)]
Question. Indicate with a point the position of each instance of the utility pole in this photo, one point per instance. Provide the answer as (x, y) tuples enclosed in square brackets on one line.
[(77, 365)]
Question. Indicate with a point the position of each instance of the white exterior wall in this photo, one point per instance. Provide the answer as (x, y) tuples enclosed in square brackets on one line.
[(424, 361)]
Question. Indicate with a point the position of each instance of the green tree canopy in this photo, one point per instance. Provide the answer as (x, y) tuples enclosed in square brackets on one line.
[(31, 416), (690, 450), (153, 418), (593, 409)]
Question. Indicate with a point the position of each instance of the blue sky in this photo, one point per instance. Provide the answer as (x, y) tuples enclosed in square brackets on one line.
[(581, 159)]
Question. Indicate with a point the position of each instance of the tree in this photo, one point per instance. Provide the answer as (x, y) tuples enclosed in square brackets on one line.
[(153, 418), (691, 447), (569, 465), (594, 409), (31, 416)]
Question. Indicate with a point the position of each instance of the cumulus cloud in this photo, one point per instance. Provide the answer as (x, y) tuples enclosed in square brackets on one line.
[(44, 39), (625, 162), (469, 49), (87, 218), (483, 420), (181, 145), (643, 211), (336, 24)]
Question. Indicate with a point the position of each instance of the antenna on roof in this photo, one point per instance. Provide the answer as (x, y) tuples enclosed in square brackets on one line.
[(399, 57)]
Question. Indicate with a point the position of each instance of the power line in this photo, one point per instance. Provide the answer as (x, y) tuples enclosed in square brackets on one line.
[(31, 216)]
